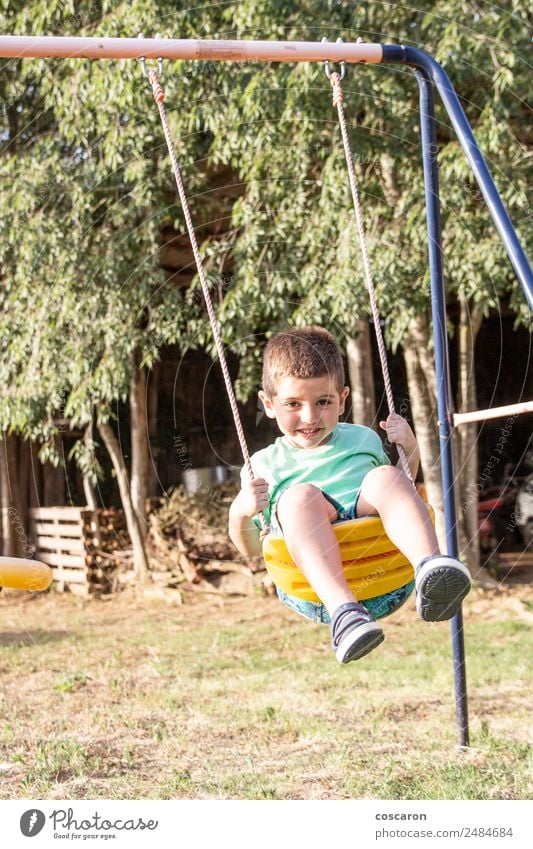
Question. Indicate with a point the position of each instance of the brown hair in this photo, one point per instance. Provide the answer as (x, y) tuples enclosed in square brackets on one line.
[(301, 352)]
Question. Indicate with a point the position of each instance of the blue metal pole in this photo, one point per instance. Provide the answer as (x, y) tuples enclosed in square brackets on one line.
[(442, 367), (397, 54), (427, 71)]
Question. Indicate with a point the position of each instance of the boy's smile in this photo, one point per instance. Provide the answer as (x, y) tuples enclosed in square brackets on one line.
[(307, 409)]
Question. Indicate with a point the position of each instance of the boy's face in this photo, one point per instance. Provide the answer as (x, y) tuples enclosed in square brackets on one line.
[(306, 409)]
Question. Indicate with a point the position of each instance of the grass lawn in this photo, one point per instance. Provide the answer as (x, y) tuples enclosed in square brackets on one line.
[(240, 699)]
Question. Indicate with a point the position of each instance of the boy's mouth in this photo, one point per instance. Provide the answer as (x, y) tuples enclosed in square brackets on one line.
[(309, 432)]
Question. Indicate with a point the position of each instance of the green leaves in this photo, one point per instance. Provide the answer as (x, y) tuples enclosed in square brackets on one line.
[(86, 188)]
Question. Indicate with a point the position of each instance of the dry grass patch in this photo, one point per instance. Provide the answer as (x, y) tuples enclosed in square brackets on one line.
[(122, 699)]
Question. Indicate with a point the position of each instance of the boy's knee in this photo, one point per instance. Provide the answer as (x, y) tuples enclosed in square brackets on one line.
[(380, 479), (299, 495)]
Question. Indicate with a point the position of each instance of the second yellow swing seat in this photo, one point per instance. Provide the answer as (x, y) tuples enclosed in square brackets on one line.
[(372, 564), (23, 574)]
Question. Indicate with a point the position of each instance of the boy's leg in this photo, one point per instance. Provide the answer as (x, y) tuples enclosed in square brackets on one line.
[(441, 581), (388, 493), (305, 518)]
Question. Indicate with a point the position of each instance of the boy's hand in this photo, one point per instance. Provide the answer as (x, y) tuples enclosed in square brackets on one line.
[(399, 432), (253, 497)]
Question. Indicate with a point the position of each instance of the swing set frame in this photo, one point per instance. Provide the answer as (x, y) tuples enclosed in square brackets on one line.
[(429, 75)]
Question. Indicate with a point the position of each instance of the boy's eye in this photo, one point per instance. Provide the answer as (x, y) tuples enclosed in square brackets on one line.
[(322, 402)]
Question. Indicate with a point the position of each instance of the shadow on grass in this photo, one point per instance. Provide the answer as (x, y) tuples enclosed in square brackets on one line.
[(31, 638)]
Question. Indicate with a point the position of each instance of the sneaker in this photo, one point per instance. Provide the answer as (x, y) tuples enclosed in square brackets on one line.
[(441, 582), (354, 632)]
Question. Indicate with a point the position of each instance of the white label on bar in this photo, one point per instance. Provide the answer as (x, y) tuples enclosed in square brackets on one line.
[(231, 50)]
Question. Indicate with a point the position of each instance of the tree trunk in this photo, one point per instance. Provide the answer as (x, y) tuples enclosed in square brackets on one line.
[(139, 443), (359, 354), (470, 320), (153, 403), (7, 534), (23, 469), (139, 555), (14, 530), (90, 494), (421, 381)]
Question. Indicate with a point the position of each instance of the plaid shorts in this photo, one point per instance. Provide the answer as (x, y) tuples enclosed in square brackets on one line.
[(378, 607)]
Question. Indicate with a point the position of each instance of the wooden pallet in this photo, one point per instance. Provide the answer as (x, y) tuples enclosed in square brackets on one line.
[(522, 559), (64, 538)]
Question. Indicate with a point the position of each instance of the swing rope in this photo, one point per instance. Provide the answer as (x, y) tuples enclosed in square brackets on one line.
[(159, 97), (338, 98)]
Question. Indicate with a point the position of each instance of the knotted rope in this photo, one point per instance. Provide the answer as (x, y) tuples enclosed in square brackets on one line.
[(159, 97), (338, 98)]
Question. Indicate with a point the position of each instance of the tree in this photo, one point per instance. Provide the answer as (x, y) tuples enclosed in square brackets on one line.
[(85, 305)]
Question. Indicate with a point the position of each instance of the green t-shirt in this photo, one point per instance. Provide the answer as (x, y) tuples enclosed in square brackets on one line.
[(337, 467)]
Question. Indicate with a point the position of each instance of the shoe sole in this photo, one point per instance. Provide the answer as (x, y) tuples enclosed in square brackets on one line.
[(368, 638), (440, 591)]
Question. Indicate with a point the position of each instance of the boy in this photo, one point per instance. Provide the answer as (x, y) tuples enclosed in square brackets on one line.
[(321, 471)]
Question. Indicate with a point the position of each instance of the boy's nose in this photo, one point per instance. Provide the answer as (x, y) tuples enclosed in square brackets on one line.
[(307, 415)]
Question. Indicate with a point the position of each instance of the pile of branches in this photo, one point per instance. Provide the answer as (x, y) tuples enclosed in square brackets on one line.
[(188, 546)]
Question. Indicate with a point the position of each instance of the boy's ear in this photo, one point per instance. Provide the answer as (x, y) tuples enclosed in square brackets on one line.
[(342, 398), (267, 404)]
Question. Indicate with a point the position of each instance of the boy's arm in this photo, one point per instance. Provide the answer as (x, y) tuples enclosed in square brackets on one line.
[(244, 534), (399, 432), (413, 459)]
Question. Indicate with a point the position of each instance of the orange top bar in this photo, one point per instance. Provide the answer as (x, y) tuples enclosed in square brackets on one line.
[(219, 50)]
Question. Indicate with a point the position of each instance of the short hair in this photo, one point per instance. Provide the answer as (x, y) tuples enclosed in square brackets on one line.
[(301, 352)]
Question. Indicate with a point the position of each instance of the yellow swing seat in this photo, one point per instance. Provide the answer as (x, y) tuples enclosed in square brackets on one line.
[(372, 564), (20, 574)]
